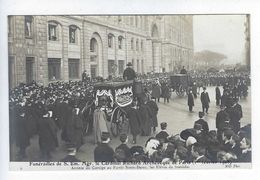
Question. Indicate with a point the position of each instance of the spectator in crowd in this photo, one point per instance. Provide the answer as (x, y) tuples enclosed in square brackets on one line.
[(222, 121), (134, 117), (103, 152), (218, 95), (166, 94), (154, 111), (190, 100), (156, 90), (245, 146), (48, 140), (198, 153), (204, 97), (125, 154), (203, 123), (194, 89), (183, 70), (163, 135), (71, 156)]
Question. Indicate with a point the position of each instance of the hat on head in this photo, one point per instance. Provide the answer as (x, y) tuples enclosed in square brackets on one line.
[(123, 137), (163, 125), (129, 64), (204, 88), (197, 126), (222, 106), (105, 136)]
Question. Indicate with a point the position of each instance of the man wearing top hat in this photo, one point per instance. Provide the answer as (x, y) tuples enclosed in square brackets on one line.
[(129, 73), (204, 97)]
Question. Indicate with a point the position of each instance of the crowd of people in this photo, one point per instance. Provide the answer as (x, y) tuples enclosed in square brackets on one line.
[(68, 107)]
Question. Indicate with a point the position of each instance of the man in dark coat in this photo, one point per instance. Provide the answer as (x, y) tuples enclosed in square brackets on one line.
[(154, 110), (47, 135), (218, 95), (239, 113), (74, 127), (222, 121), (134, 118), (204, 97), (129, 73), (203, 123), (234, 118), (190, 101), (22, 136), (183, 70), (123, 146), (103, 152)]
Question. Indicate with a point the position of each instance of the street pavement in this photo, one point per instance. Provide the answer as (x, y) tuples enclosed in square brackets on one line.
[(175, 113)]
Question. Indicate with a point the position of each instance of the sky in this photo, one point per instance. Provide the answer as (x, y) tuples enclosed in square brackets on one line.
[(220, 33)]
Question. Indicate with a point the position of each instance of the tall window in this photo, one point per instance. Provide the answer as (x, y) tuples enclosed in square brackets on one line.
[(137, 45), (132, 43), (142, 45), (73, 34), (73, 68), (93, 45), (53, 34), (28, 21), (110, 40), (54, 68), (120, 42), (111, 64), (121, 64)]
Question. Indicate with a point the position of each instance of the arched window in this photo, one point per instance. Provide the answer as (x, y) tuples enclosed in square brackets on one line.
[(110, 40), (120, 42), (73, 34), (93, 45), (53, 31), (28, 25)]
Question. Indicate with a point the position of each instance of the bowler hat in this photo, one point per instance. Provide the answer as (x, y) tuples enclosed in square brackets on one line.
[(163, 125), (123, 137)]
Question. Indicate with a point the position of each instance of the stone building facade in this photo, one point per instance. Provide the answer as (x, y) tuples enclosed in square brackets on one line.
[(49, 48)]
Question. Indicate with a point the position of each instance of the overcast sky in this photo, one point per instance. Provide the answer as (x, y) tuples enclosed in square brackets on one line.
[(220, 33)]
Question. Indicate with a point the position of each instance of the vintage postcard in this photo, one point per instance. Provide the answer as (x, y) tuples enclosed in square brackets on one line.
[(136, 91)]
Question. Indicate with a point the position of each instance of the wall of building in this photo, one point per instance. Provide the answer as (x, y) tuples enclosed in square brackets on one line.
[(167, 44)]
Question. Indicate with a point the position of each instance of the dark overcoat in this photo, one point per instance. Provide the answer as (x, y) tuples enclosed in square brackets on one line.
[(190, 99), (204, 97), (103, 153), (134, 120)]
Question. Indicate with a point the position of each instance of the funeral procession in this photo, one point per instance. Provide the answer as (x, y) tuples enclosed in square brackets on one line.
[(129, 88)]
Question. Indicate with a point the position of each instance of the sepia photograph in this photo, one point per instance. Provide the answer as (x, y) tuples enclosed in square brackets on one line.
[(130, 89)]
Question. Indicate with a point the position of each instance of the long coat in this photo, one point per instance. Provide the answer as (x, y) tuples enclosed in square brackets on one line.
[(165, 91), (156, 91), (47, 134), (146, 119), (22, 136), (134, 120), (154, 111), (190, 99), (218, 94), (74, 129), (100, 124), (204, 97), (222, 119)]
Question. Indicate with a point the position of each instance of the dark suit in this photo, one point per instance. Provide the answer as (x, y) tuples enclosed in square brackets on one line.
[(204, 97), (222, 121), (190, 101), (103, 153), (129, 74), (126, 150), (218, 95)]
